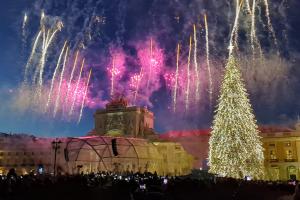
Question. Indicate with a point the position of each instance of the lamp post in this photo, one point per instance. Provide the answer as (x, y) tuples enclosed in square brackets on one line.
[(55, 145)]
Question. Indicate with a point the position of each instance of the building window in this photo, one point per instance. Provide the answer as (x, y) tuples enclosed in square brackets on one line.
[(287, 144), (272, 152), (289, 154), (292, 172), (273, 156)]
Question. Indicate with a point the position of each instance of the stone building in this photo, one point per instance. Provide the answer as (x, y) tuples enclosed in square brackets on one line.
[(119, 119), (122, 140), (282, 153), (25, 153), (281, 149), (126, 154)]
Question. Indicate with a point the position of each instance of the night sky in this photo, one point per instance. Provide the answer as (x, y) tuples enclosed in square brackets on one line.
[(102, 29)]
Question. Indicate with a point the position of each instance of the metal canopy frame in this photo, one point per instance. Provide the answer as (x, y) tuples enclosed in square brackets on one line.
[(128, 148)]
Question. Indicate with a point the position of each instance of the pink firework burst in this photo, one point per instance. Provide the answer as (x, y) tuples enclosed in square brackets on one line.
[(151, 58), (147, 80), (116, 69), (135, 80), (170, 78)]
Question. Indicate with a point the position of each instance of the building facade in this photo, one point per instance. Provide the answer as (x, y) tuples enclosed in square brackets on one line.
[(118, 119), (123, 140), (25, 153), (125, 154), (282, 153), (281, 149)]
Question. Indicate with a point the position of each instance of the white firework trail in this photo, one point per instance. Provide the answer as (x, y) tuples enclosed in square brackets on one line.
[(176, 79), (253, 29), (270, 26), (253, 37), (236, 35), (71, 77), (42, 18), (47, 40), (31, 56), (24, 41), (54, 75), (60, 82), (41, 61), (43, 58), (84, 96), (138, 84), (42, 49), (208, 61), (187, 95), (248, 6), (150, 68), (112, 78), (196, 64), (24, 21), (76, 88), (23, 28), (235, 28)]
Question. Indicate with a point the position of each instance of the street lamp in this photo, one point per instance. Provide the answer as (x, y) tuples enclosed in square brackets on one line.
[(55, 145)]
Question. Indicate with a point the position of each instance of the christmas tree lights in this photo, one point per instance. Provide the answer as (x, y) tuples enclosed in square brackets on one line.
[(235, 147)]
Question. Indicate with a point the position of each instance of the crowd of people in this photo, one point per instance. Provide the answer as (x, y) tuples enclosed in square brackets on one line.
[(146, 186)]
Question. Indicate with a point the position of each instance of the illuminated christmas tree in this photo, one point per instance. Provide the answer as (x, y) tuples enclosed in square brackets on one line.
[(235, 147)]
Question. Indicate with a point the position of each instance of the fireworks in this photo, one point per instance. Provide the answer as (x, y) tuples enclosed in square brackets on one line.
[(113, 73), (234, 32), (32, 54), (61, 94), (196, 64), (25, 20), (24, 24), (84, 96), (42, 17), (248, 6), (71, 77), (135, 83), (60, 82), (270, 26), (54, 75), (76, 88), (43, 46), (46, 42), (188, 76), (151, 62), (176, 79), (253, 30), (67, 92), (116, 70), (207, 61)]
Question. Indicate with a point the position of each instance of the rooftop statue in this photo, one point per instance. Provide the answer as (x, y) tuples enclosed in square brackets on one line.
[(117, 102)]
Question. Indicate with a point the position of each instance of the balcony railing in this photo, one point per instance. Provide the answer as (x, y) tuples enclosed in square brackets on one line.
[(290, 160), (281, 160)]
